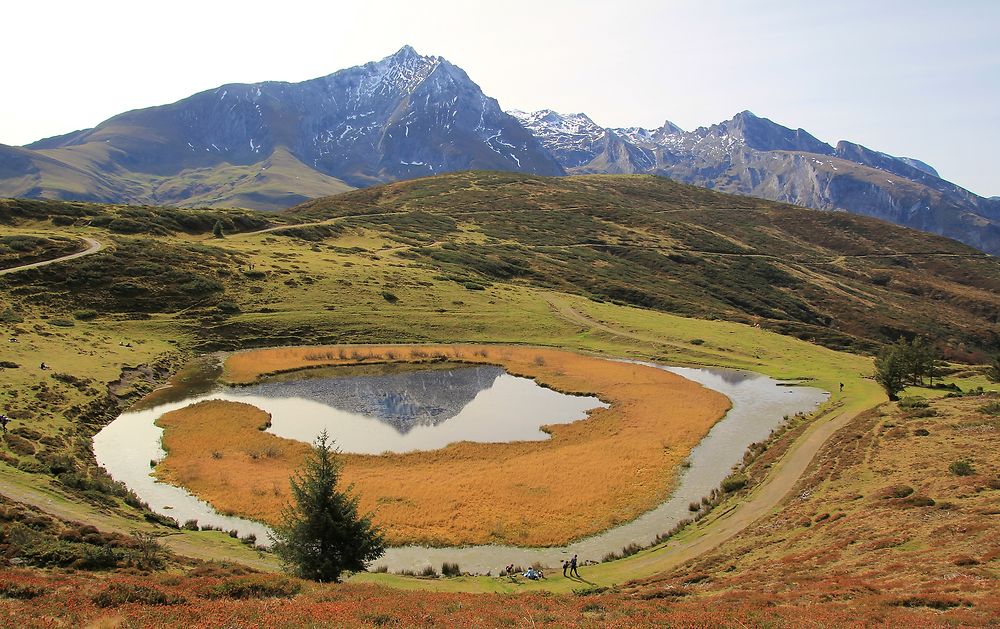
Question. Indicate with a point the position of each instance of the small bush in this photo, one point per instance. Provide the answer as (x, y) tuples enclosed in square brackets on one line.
[(962, 468), (941, 602), (895, 491), (227, 307), (87, 314), (450, 570), (913, 402), (20, 592), (190, 525), (428, 571), (734, 482), (116, 594), (921, 432), (257, 586), (697, 341), (918, 501), (993, 408), (380, 620), (389, 297), (62, 323)]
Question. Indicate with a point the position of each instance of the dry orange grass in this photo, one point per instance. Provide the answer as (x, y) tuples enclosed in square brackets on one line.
[(591, 475)]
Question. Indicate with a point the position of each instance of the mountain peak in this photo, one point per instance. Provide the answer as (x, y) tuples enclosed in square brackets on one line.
[(405, 52), (766, 135)]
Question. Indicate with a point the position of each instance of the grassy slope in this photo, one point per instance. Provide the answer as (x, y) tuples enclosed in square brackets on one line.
[(837, 279), (329, 290)]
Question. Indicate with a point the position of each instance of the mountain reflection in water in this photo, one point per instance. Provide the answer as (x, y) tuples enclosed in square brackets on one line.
[(402, 400)]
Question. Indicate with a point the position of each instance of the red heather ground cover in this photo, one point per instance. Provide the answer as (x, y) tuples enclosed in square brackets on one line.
[(68, 600)]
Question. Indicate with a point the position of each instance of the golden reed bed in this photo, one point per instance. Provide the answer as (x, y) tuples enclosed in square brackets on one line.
[(591, 475)]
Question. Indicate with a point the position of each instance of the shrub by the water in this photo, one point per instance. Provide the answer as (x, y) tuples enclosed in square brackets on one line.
[(734, 482)]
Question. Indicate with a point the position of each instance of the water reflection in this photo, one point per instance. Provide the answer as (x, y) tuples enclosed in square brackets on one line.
[(401, 400)]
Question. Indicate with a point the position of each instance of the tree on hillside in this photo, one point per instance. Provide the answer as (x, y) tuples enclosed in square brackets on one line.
[(922, 359), (993, 371), (891, 369), (217, 230), (321, 533)]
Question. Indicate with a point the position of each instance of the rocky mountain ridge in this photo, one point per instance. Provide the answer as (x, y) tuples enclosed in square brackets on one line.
[(274, 144), (755, 156)]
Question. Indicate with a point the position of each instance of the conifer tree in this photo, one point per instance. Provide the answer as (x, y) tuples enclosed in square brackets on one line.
[(321, 533)]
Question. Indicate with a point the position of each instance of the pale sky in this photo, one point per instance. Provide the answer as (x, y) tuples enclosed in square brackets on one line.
[(909, 77)]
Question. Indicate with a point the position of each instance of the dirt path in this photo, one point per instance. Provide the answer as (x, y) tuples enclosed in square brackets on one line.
[(93, 246), (762, 502)]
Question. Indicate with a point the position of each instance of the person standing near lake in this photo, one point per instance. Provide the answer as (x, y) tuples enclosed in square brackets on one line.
[(572, 568)]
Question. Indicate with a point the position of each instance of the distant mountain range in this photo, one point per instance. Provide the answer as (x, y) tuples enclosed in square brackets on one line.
[(271, 145)]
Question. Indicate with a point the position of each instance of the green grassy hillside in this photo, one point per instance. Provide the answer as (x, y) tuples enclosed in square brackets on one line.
[(831, 277)]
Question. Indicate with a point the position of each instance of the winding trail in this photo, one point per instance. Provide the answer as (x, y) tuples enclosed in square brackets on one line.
[(93, 246)]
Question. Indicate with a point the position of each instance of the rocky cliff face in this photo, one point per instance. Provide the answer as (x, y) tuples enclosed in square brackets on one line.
[(755, 156)]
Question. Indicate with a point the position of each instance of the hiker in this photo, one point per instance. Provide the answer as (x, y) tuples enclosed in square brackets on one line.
[(4, 420), (841, 387), (565, 566), (509, 570), (43, 366), (532, 574), (572, 568)]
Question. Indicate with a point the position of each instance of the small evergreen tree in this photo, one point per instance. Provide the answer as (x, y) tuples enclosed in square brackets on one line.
[(321, 533), (217, 230), (891, 369)]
